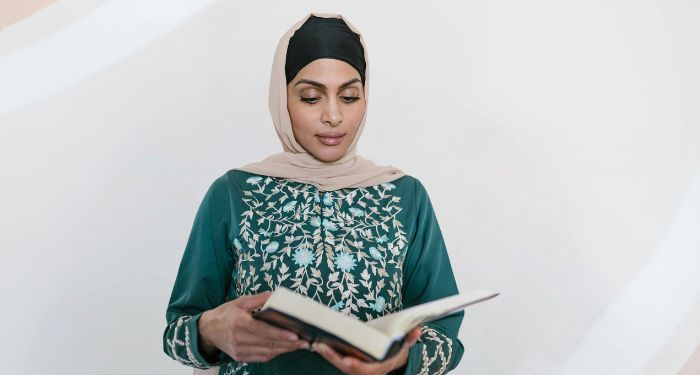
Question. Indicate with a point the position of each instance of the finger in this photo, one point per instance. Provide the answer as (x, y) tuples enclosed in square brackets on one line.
[(353, 364), (253, 301), (274, 344), (414, 335), (331, 356), (399, 359), (349, 364), (267, 331), (254, 360), (248, 339), (417, 331), (260, 352)]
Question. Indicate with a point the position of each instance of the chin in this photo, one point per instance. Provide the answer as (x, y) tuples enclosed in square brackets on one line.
[(328, 157)]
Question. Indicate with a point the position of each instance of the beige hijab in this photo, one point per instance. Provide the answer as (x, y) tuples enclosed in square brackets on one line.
[(295, 162)]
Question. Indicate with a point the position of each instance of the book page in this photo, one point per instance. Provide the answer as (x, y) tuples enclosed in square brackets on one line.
[(350, 329), (399, 323)]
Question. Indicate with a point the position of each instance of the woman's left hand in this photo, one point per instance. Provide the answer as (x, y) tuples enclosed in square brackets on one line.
[(354, 366)]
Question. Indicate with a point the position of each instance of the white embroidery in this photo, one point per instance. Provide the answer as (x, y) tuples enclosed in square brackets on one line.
[(176, 343), (234, 368), (433, 338), (293, 234), (188, 349)]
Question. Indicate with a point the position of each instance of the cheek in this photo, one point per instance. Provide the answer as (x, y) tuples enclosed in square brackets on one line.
[(302, 121), (355, 118)]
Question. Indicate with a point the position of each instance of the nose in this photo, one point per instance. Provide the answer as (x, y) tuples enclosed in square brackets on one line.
[(332, 114)]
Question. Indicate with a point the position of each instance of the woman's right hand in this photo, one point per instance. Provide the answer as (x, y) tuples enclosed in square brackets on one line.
[(232, 329)]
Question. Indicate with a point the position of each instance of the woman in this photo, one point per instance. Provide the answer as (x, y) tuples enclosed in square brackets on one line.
[(362, 239)]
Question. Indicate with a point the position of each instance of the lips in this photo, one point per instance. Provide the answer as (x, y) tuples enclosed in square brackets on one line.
[(330, 139)]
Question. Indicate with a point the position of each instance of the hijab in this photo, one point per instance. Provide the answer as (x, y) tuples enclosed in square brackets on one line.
[(295, 163), (324, 38)]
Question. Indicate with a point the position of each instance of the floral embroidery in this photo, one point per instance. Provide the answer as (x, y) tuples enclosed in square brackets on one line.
[(437, 363), (329, 225), (345, 261), (179, 341), (375, 253), (343, 248), (303, 257), (378, 304), (316, 221), (337, 306), (272, 247), (289, 206), (327, 199), (235, 367)]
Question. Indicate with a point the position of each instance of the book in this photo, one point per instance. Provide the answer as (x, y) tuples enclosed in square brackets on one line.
[(374, 340)]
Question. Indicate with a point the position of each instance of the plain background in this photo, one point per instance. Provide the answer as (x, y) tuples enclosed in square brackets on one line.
[(559, 142)]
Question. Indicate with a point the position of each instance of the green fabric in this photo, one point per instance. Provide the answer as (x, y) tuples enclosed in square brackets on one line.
[(365, 252)]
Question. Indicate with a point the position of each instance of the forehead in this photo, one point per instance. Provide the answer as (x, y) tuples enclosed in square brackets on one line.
[(331, 72)]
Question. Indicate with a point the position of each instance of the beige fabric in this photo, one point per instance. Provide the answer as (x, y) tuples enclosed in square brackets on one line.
[(295, 162), (210, 371)]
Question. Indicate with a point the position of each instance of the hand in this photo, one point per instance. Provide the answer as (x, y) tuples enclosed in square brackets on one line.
[(232, 329), (353, 366)]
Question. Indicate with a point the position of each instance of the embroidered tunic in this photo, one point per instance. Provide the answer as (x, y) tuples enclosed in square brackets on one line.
[(365, 252)]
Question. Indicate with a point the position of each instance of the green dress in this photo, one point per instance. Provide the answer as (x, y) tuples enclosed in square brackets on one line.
[(365, 252)]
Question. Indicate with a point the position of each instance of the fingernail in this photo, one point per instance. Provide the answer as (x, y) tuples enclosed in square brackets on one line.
[(347, 361)]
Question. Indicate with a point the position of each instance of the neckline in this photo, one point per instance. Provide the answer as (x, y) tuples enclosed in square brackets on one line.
[(295, 185)]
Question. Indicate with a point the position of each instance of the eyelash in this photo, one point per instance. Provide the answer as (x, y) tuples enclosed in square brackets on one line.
[(347, 99)]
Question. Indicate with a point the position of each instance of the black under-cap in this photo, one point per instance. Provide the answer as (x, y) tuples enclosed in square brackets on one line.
[(321, 37)]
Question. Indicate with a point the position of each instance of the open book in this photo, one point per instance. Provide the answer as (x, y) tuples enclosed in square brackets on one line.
[(374, 340)]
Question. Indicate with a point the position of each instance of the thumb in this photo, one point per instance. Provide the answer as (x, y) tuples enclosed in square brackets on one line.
[(414, 334), (251, 302)]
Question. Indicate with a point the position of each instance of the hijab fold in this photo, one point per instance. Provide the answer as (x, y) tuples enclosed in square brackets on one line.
[(295, 163)]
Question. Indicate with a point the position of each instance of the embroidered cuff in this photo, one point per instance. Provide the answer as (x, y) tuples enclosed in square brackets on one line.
[(182, 342), (431, 355)]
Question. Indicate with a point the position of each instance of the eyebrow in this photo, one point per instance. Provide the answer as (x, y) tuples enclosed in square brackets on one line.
[(322, 86)]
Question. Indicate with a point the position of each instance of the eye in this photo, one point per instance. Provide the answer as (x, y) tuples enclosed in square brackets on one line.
[(309, 100), (350, 99)]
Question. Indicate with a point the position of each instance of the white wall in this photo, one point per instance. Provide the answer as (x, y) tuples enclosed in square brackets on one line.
[(559, 141)]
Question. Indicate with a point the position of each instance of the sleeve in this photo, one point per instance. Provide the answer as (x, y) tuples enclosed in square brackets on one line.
[(202, 279), (428, 276)]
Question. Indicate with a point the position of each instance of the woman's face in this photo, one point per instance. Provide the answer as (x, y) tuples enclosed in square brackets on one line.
[(326, 103)]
